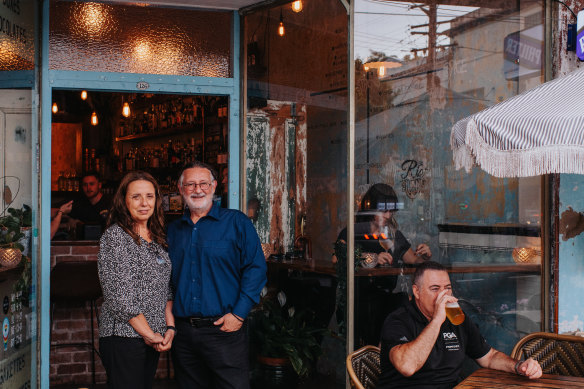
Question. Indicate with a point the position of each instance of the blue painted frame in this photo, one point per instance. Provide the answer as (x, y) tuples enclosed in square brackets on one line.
[(121, 82)]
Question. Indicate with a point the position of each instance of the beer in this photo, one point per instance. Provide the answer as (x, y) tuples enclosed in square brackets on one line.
[(454, 313)]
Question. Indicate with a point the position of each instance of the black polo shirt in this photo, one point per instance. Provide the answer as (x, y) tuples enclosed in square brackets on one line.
[(443, 366)]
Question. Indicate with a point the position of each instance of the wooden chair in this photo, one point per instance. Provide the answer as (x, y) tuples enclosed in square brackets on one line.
[(363, 367), (557, 354)]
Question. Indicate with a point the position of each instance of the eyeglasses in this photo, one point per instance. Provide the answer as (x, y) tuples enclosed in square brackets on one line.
[(193, 185)]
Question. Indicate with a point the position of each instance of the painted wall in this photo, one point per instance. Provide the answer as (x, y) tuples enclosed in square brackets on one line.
[(570, 263)]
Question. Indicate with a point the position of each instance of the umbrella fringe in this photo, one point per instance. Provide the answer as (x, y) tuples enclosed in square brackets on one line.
[(516, 163)]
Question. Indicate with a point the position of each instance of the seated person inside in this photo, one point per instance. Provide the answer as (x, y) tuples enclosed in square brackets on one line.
[(421, 349), (90, 208), (374, 222)]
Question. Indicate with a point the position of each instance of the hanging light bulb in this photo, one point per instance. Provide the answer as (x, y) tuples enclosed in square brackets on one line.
[(126, 109), (94, 118), (83, 94), (281, 31), (297, 6), (54, 108)]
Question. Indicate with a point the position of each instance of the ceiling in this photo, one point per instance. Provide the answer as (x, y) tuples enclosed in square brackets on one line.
[(214, 4)]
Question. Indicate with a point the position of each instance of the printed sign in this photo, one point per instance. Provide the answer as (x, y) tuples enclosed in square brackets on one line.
[(580, 36)]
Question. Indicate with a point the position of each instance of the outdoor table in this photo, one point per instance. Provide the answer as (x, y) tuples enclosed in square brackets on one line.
[(489, 378)]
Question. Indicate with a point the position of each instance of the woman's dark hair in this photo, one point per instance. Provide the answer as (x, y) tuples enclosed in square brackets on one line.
[(120, 215), (378, 198)]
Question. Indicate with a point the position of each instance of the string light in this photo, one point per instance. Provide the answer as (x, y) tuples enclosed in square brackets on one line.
[(297, 6), (281, 30), (83, 94), (54, 108), (126, 109), (94, 118)]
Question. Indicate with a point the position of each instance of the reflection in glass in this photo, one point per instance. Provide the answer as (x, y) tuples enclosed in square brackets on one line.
[(419, 68)]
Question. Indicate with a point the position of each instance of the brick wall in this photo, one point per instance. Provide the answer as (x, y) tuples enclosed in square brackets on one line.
[(71, 323)]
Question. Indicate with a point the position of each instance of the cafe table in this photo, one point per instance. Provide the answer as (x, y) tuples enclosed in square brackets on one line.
[(489, 378)]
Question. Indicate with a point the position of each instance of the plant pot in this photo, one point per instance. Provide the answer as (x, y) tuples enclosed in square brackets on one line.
[(10, 257), (276, 373)]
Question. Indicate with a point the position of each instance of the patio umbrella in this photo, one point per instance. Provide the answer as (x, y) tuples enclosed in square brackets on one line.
[(537, 132)]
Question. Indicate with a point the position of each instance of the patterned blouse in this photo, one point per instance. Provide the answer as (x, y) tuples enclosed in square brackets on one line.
[(134, 279)]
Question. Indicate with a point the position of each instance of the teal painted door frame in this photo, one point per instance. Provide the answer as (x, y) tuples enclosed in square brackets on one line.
[(119, 82)]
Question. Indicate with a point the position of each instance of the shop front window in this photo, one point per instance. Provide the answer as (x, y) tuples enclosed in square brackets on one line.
[(296, 169), (89, 36), (419, 68), (18, 259)]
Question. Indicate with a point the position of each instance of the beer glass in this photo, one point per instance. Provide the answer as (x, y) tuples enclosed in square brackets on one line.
[(454, 313)]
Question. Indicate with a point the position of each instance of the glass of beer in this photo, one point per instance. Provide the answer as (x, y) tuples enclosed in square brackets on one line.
[(454, 313)]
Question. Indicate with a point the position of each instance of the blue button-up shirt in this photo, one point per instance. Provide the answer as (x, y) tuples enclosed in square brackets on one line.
[(218, 265)]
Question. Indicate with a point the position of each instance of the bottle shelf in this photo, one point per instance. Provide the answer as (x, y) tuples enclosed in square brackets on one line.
[(161, 133)]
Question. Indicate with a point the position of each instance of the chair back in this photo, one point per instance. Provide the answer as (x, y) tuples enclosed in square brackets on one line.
[(363, 367), (557, 354)]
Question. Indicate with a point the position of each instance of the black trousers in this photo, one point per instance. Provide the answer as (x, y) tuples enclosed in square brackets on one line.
[(209, 358), (129, 362)]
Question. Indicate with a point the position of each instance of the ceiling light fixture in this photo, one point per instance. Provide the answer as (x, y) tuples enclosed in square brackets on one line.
[(83, 94), (94, 118), (281, 30), (126, 109), (297, 6)]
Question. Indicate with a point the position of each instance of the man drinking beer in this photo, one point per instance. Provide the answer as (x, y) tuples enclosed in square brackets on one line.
[(421, 349)]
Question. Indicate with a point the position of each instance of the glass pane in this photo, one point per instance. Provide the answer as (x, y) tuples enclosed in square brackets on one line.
[(295, 169), (16, 279), (131, 39), (419, 69), (18, 259), (17, 35)]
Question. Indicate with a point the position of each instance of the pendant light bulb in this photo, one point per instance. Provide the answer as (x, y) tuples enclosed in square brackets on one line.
[(54, 108), (281, 30), (83, 94), (297, 6), (94, 118), (126, 109)]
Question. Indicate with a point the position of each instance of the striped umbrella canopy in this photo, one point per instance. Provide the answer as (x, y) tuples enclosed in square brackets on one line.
[(538, 132)]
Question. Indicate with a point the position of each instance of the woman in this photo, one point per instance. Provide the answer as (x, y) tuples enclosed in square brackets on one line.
[(376, 295), (136, 321), (378, 208)]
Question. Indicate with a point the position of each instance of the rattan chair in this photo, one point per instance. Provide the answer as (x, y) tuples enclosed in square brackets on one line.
[(557, 354), (363, 367)]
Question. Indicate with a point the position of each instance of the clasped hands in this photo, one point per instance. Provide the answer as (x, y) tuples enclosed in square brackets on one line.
[(158, 342)]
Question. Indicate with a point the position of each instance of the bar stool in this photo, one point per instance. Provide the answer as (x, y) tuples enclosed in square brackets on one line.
[(76, 282)]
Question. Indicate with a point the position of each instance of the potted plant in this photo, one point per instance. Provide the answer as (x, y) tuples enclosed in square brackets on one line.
[(24, 216), (10, 246), (287, 343)]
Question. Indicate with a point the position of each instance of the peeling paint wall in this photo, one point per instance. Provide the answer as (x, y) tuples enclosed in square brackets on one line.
[(276, 170), (570, 259)]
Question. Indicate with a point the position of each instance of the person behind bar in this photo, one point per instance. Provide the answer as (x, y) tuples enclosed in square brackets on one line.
[(136, 321), (93, 206), (420, 348), (378, 295), (218, 272)]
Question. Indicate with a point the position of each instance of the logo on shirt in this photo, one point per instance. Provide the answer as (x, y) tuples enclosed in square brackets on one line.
[(403, 339), (451, 341), (449, 336)]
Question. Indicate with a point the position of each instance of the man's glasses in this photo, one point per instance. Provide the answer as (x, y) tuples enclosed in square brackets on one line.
[(193, 185)]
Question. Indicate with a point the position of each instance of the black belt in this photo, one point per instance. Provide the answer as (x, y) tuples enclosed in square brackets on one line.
[(200, 322)]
